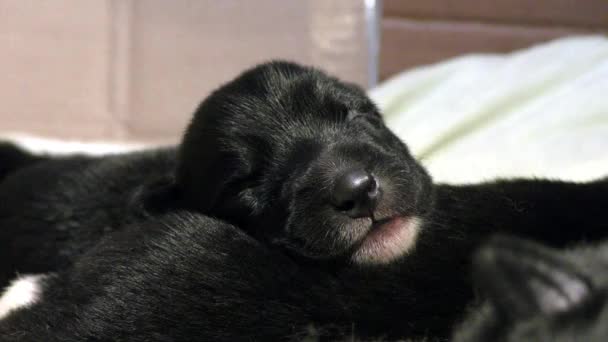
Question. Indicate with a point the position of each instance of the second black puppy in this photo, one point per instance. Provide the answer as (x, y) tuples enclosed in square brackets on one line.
[(304, 164), (538, 294)]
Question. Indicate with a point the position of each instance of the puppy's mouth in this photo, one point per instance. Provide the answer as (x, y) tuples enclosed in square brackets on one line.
[(388, 240)]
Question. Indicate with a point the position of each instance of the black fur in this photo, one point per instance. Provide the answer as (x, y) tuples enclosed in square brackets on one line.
[(182, 277), (539, 294), (14, 158), (263, 153)]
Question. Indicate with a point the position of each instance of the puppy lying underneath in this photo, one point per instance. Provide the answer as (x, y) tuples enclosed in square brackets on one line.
[(340, 231), (539, 294)]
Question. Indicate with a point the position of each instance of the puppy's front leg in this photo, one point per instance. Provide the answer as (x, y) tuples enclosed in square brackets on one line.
[(554, 212)]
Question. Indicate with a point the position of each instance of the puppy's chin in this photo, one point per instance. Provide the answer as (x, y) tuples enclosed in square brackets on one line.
[(379, 243), (388, 241)]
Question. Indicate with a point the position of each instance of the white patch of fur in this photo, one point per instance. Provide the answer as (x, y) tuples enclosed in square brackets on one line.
[(22, 292), (385, 250)]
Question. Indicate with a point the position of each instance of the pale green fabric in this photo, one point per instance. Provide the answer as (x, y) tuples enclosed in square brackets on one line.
[(541, 111)]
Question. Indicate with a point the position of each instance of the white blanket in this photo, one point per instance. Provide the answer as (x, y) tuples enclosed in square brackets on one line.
[(542, 111)]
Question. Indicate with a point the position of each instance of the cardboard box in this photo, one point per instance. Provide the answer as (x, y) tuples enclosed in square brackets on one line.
[(129, 70)]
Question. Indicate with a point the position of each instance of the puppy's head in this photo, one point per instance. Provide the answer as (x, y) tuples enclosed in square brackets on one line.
[(305, 161)]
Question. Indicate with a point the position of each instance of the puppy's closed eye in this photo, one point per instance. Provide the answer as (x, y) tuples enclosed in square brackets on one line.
[(352, 115)]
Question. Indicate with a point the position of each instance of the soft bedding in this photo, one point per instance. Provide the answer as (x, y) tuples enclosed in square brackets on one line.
[(541, 111)]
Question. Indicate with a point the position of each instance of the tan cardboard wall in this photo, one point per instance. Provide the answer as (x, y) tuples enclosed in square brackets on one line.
[(136, 69)]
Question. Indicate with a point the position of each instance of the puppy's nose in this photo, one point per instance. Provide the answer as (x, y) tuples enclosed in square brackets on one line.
[(356, 193)]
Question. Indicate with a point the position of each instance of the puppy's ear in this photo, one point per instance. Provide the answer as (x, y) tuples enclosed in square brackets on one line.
[(523, 279), (202, 173)]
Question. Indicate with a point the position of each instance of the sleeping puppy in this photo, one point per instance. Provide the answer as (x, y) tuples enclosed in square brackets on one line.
[(539, 294), (304, 161), (303, 164)]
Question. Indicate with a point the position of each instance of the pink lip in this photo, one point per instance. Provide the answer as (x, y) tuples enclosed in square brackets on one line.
[(388, 241)]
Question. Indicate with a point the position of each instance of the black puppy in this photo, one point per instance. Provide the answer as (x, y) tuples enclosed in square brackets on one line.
[(539, 294), (304, 160), (302, 163)]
